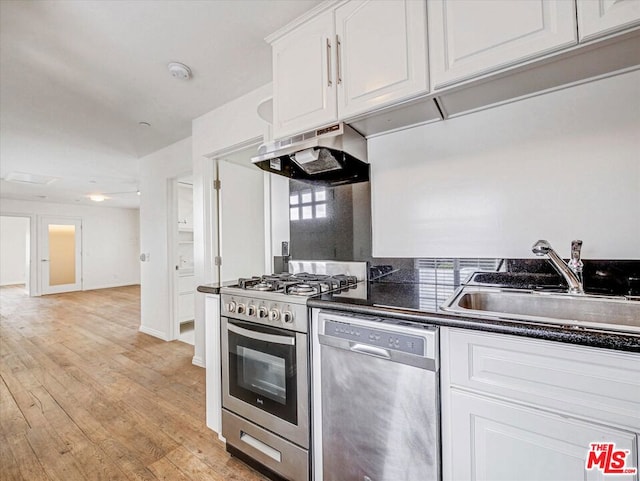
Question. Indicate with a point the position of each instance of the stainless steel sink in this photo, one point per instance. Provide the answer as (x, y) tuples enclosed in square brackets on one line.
[(609, 313)]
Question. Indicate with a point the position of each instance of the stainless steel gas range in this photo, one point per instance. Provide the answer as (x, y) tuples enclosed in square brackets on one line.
[(265, 363)]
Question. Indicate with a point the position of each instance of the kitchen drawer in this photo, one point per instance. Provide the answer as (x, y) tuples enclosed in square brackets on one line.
[(186, 284), (594, 384)]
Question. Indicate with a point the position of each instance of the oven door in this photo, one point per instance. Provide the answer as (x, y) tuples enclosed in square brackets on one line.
[(264, 377)]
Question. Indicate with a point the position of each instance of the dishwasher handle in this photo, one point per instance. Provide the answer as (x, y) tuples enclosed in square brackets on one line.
[(388, 355), (370, 350)]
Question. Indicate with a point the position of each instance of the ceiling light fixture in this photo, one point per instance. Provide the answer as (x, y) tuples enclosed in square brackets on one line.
[(97, 197), (179, 70)]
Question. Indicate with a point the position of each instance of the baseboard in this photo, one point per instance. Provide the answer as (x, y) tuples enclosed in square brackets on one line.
[(154, 333), (198, 361), (109, 286)]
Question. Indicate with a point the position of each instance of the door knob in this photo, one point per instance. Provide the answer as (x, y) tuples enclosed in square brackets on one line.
[(44, 260)]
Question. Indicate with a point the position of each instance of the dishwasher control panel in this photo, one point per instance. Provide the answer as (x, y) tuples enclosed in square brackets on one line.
[(376, 337)]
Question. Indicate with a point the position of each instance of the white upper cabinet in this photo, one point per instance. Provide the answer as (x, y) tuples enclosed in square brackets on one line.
[(304, 94), (381, 53), (468, 38), (602, 17), (348, 60)]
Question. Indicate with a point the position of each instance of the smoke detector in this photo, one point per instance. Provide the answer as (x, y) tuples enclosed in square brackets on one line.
[(179, 71)]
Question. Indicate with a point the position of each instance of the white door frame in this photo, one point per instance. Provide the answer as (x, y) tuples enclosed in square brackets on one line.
[(172, 257), (43, 255), (32, 267)]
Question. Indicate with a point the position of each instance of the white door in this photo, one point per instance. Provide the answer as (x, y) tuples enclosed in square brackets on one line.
[(242, 220), (60, 241), (381, 53), (183, 267)]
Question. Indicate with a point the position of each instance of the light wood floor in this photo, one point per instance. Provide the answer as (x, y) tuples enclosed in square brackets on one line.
[(85, 396)]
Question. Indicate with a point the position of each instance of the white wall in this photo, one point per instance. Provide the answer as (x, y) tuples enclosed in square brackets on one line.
[(156, 170), (109, 239), (14, 235), (214, 133), (561, 166)]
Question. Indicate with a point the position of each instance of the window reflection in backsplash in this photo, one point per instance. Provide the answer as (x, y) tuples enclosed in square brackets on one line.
[(330, 223), (440, 277)]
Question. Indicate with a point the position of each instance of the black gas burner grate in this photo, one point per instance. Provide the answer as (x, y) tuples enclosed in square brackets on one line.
[(301, 284)]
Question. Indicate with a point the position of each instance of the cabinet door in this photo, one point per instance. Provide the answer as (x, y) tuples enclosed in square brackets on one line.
[(601, 17), (304, 93), (490, 439), (382, 53), (468, 38)]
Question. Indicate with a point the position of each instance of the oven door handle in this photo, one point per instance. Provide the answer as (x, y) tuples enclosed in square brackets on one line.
[(260, 336)]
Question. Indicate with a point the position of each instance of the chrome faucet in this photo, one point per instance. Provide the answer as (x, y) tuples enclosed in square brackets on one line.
[(572, 272)]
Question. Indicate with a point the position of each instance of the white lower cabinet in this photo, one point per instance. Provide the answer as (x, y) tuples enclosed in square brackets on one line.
[(515, 408), (500, 440)]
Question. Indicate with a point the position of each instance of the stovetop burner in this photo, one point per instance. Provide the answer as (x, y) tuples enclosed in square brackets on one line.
[(300, 284), (301, 290)]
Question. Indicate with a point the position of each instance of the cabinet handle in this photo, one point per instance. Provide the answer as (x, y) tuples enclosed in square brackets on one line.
[(329, 82), (338, 69)]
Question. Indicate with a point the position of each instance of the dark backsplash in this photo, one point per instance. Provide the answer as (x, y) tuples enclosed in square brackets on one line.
[(612, 277), (605, 277), (337, 224)]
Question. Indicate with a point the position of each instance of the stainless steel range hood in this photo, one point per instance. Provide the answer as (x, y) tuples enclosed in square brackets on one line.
[(332, 155)]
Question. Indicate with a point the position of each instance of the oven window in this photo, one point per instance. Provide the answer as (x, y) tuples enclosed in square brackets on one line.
[(263, 373)]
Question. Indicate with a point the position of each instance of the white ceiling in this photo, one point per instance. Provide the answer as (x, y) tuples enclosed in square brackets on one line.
[(77, 76)]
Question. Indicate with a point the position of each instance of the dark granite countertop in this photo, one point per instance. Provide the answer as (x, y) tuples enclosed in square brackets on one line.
[(214, 288), (402, 296)]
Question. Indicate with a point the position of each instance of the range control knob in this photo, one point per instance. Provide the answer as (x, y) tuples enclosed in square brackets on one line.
[(274, 314), (287, 316), (251, 310), (262, 312), (231, 306), (240, 309)]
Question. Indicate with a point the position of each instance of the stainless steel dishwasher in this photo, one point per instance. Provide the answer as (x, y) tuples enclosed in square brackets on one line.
[(375, 400)]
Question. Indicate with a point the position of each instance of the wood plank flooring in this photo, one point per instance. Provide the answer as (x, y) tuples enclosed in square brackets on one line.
[(85, 396)]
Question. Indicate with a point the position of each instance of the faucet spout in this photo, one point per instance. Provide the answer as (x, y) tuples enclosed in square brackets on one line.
[(572, 272)]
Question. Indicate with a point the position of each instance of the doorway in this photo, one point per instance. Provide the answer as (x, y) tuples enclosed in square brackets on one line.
[(60, 254), (183, 268), (15, 252)]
